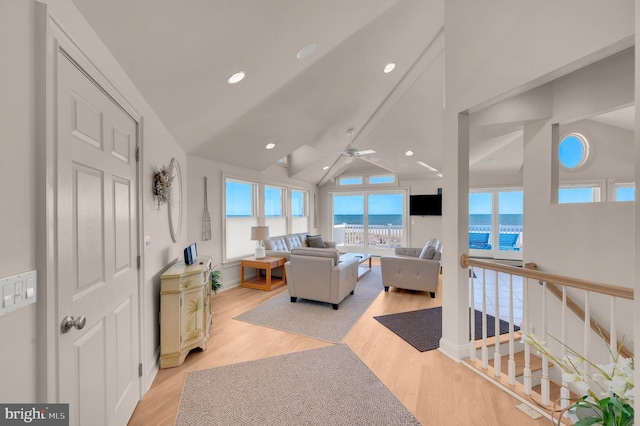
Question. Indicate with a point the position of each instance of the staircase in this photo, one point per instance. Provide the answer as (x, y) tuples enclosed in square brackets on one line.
[(534, 399), (546, 306)]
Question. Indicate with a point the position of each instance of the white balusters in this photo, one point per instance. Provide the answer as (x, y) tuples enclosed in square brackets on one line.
[(472, 312), (485, 350), (587, 328), (512, 347), (544, 384), (527, 328), (496, 337), (613, 336), (564, 390)]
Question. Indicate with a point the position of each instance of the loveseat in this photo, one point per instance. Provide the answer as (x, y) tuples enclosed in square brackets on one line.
[(413, 268), (281, 245), (317, 274)]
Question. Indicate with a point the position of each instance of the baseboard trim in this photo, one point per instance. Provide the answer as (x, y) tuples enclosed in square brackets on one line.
[(453, 351)]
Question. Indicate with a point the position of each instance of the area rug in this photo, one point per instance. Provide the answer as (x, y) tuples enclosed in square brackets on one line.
[(422, 329), (325, 386), (316, 319)]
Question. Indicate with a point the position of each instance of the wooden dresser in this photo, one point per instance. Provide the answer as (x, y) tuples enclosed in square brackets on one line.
[(185, 314)]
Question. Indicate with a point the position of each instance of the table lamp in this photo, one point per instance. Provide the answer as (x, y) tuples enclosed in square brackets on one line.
[(259, 233)]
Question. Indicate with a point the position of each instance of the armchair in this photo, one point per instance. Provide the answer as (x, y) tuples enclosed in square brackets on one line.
[(413, 268), (318, 274)]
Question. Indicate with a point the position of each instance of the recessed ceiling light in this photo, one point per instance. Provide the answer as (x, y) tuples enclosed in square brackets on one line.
[(408, 153), (325, 168), (270, 145), (306, 51), (237, 77), (389, 67)]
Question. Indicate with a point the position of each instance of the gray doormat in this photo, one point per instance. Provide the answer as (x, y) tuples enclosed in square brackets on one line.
[(422, 329), (325, 386)]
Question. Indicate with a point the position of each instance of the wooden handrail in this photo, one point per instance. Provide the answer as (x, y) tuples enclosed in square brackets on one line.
[(577, 309), (553, 280), (611, 290)]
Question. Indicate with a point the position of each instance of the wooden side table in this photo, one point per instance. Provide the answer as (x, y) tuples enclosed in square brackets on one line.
[(268, 263)]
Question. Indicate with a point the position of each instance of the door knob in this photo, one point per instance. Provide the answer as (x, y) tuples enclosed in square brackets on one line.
[(69, 322)]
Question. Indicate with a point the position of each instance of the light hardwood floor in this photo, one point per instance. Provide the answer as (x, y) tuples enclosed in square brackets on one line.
[(437, 390)]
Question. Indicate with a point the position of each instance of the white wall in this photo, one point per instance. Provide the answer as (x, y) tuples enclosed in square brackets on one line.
[(21, 182), (423, 228), (18, 188), (502, 48), (215, 172)]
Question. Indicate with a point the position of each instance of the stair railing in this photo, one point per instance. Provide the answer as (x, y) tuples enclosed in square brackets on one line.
[(554, 284)]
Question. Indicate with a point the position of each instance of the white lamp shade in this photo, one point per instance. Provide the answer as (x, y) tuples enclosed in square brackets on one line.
[(259, 232)]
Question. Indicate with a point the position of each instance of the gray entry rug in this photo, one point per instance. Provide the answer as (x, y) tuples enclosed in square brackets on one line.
[(325, 386), (422, 329), (316, 319)]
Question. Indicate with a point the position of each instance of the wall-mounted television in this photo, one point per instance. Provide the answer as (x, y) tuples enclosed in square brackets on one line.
[(425, 205)]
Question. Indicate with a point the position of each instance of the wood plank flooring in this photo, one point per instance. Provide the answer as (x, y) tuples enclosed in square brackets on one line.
[(437, 390)]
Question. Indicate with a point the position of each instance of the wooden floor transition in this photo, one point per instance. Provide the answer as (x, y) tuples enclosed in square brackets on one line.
[(437, 390)]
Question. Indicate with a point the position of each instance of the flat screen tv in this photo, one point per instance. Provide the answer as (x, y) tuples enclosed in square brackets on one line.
[(425, 205)]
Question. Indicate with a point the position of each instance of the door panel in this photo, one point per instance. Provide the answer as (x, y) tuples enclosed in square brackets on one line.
[(97, 228)]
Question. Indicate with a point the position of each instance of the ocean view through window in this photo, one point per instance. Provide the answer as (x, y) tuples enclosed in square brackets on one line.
[(369, 220), (496, 223)]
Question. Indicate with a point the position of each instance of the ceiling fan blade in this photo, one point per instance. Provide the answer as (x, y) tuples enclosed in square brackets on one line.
[(364, 152)]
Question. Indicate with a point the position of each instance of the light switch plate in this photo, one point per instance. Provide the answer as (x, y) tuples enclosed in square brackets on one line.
[(18, 291)]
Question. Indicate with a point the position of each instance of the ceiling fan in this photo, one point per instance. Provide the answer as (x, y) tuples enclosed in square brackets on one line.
[(351, 152)]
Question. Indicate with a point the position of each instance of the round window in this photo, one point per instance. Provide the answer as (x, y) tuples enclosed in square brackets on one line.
[(573, 151)]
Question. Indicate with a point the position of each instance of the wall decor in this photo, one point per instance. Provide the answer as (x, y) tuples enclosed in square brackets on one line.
[(175, 200), (162, 181)]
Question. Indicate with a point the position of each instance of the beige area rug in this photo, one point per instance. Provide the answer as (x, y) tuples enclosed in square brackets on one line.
[(316, 319), (325, 386)]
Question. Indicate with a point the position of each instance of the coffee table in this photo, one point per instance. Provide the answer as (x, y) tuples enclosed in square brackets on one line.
[(267, 263), (362, 258)]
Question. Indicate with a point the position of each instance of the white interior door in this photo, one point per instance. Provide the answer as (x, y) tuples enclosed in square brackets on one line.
[(97, 251)]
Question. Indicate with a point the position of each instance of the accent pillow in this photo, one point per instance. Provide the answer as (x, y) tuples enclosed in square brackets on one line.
[(315, 241), (424, 250), (431, 251)]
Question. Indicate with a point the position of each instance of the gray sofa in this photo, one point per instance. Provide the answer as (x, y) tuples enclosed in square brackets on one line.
[(413, 268), (282, 245), (317, 274)]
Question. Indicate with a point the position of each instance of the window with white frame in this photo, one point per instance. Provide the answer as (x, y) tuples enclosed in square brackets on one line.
[(274, 209), (350, 180), (382, 179), (623, 191), (573, 151), (579, 193), (240, 200), (299, 215)]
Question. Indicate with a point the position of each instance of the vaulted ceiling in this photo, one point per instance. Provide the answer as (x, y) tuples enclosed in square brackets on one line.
[(180, 55)]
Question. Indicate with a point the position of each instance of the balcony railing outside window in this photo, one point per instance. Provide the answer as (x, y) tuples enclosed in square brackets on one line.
[(378, 236)]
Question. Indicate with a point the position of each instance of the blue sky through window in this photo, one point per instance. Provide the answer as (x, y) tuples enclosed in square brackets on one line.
[(575, 195), (379, 204), (297, 203), (272, 201), (571, 151), (239, 198), (625, 194)]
